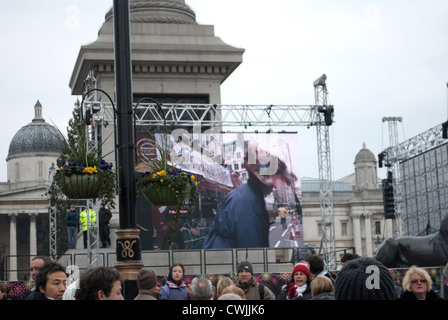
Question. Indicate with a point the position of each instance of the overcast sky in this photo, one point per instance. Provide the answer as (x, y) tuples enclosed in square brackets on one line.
[(381, 58)]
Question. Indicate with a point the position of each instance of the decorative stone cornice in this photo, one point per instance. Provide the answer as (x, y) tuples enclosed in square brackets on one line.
[(167, 68), (171, 49), (156, 11)]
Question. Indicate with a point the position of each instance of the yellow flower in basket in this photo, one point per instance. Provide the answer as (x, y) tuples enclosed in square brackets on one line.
[(90, 170)]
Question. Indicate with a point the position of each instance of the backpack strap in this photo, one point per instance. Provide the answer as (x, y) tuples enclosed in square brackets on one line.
[(261, 291)]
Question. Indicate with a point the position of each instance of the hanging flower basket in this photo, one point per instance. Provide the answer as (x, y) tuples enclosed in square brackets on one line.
[(80, 186), (171, 193), (77, 181), (84, 175)]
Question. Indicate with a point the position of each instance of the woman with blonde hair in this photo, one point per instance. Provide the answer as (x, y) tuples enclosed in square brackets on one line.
[(417, 285), (223, 283), (232, 290), (322, 288)]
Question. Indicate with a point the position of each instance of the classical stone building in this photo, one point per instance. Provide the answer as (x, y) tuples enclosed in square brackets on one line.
[(357, 206), (33, 150)]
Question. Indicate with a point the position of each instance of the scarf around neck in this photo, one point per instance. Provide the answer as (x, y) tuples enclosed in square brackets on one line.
[(172, 284)]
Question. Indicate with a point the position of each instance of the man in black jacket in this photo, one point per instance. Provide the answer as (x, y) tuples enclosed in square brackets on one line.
[(104, 217)]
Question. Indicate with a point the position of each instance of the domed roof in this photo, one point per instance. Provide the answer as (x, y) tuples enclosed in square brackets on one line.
[(36, 137), (365, 155), (159, 11)]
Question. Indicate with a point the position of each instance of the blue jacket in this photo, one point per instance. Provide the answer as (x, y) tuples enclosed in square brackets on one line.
[(72, 218), (170, 291), (241, 221)]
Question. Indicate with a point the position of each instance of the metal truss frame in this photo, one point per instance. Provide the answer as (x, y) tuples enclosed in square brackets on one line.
[(248, 116), (92, 233), (221, 117), (93, 249), (52, 220), (93, 241), (416, 145), (399, 152), (324, 118), (53, 231), (213, 115)]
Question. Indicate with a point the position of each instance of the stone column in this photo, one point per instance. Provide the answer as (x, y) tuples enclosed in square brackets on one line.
[(368, 227), (13, 247), (33, 233), (357, 233)]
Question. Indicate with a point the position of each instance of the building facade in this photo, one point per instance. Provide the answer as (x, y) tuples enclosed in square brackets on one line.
[(33, 152), (358, 209)]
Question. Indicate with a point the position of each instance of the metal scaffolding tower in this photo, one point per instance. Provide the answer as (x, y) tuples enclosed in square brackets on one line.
[(92, 231), (93, 140), (53, 231), (93, 241), (324, 118), (52, 219)]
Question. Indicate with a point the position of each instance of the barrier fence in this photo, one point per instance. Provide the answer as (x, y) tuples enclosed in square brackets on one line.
[(199, 261)]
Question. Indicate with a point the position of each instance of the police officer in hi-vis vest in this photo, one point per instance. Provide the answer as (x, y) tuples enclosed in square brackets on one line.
[(83, 223)]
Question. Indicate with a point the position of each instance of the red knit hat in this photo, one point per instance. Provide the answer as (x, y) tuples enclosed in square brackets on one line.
[(302, 266)]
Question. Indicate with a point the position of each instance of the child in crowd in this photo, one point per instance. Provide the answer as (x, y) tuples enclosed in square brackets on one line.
[(175, 287)]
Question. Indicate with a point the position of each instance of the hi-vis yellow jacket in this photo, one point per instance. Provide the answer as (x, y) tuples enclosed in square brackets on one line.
[(83, 219)]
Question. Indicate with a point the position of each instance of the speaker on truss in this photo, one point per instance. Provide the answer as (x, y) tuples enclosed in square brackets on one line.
[(445, 130), (388, 197)]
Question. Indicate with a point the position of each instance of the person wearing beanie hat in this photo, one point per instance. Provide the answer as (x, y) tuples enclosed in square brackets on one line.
[(364, 279), (302, 266), (299, 287), (252, 289), (147, 285), (245, 265)]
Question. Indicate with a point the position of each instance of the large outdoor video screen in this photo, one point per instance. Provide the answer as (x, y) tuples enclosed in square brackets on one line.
[(425, 199), (248, 191)]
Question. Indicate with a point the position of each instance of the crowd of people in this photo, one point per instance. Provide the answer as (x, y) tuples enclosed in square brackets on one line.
[(359, 278)]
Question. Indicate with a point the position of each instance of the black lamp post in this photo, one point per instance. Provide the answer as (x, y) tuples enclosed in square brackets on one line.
[(123, 89), (128, 239)]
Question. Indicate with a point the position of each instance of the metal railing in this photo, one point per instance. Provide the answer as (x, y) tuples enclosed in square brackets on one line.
[(199, 261)]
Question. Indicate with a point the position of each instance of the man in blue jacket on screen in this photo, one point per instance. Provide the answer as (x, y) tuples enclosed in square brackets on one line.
[(242, 220)]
